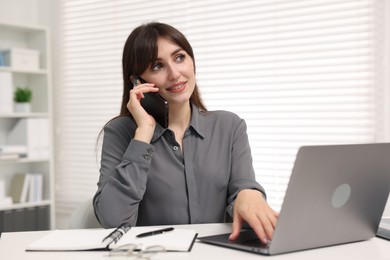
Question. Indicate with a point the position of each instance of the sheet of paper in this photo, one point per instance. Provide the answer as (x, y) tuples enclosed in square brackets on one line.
[(176, 240), (71, 240)]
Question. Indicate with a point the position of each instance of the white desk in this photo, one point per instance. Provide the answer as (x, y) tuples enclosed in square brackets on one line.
[(12, 246)]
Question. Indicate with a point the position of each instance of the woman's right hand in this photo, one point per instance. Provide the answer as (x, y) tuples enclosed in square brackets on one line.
[(145, 122)]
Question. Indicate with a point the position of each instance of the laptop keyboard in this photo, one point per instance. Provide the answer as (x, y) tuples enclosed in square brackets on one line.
[(254, 243), (249, 238)]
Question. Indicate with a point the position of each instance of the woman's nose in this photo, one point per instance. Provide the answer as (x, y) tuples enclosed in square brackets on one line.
[(174, 73)]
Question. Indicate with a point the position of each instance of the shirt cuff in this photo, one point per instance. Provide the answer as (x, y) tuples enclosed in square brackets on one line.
[(139, 152)]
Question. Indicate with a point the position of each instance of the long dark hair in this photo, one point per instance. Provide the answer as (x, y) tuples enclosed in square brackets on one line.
[(141, 50)]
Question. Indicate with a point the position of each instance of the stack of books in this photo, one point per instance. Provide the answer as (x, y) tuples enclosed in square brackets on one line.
[(26, 187), (12, 152), (33, 133)]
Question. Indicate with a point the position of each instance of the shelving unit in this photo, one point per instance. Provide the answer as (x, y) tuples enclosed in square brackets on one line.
[(31, 215)]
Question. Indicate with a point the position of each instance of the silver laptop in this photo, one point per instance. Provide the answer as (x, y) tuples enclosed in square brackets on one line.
[(336, 194), (384, 229)]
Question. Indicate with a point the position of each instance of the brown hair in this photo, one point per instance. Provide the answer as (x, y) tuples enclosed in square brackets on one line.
[(141, 50)]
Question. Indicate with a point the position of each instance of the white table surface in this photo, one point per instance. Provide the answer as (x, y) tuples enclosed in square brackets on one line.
[(12, 247)]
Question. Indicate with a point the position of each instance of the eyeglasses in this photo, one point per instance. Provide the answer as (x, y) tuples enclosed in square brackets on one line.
[(137, 251)]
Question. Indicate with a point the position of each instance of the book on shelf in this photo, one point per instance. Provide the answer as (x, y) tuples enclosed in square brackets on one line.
[(34, 133), (99, 239), (19, 186), (19, 149), (36, 187), (12, 152), (9, 156), (26, 187), (2, 63)]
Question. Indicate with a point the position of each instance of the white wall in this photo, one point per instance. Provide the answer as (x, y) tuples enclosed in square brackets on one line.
[(18, 11)]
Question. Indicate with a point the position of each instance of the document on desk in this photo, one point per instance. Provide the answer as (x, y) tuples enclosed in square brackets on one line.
[(94, 239)]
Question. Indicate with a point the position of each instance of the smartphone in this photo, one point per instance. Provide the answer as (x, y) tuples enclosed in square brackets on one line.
[(154, 104)]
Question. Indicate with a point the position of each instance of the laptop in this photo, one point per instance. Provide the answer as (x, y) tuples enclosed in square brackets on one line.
[(336, 194), (384, 229)]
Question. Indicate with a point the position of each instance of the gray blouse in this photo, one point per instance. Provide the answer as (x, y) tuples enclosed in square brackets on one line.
[(161, 184)]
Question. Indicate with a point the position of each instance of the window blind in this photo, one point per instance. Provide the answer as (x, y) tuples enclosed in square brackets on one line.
[(299, 72)]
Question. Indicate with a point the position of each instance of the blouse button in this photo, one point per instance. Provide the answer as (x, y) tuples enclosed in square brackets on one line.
[(175, 148)]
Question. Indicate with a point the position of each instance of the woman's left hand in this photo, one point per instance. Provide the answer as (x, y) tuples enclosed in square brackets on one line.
[(251, 207)]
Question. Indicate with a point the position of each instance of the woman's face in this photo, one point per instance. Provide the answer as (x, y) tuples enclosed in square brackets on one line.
[(173, 72)]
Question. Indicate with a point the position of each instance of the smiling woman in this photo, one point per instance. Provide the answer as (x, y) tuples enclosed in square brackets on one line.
[(152, 175), (299, 72)]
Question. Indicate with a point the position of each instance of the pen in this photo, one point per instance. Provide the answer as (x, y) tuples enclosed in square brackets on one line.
[(115, 235), (155, 232)]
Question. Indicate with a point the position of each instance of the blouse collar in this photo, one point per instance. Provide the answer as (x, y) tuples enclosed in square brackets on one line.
[(197, 124)]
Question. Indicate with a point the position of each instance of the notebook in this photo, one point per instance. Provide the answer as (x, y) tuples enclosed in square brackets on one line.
[(336, 195), (93, 239)]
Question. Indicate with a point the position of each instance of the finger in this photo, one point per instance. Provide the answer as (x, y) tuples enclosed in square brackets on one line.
[(236, 227), (258, 228), (255, 223), (269, 223), (148, 86), (135, 94), (274, 218), (268, 228)]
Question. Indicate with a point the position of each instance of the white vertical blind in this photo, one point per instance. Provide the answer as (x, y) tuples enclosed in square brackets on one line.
[(299, 72)]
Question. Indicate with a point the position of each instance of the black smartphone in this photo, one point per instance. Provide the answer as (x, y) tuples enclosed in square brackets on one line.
[(154, 104)]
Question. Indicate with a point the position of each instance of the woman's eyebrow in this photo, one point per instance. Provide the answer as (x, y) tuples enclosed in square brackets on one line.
[(176, 51), (173, 53)]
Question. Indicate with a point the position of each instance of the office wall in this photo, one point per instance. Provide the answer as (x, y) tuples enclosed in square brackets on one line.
[(18, 11), (38, 12)]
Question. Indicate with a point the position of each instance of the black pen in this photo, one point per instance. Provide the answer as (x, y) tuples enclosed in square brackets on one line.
[(155, 232)]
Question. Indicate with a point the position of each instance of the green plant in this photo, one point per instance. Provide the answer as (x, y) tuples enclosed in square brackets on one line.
[(22, 95)]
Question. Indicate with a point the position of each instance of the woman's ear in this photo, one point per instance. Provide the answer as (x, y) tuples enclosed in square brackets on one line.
[(133, 80)]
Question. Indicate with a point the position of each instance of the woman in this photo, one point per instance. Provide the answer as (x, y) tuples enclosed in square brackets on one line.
[(194, 171)]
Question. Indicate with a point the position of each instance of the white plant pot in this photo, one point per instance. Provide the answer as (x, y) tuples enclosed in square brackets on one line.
[(24, 107)]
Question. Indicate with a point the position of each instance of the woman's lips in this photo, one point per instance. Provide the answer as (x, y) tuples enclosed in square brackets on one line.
[(177, 87)]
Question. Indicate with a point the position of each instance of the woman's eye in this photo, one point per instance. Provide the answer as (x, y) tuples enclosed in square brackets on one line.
[(180, 57), (156, 67)]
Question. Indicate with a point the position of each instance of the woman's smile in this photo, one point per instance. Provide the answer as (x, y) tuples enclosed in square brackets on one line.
[(178, 87)]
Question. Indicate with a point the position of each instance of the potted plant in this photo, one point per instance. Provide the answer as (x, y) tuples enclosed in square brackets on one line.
[(22, 98)]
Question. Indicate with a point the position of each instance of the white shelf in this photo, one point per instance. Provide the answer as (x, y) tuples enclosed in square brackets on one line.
[(14, 70), (23, 28), (23, 115), (24, 160), (25, 205), (39, 81)]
